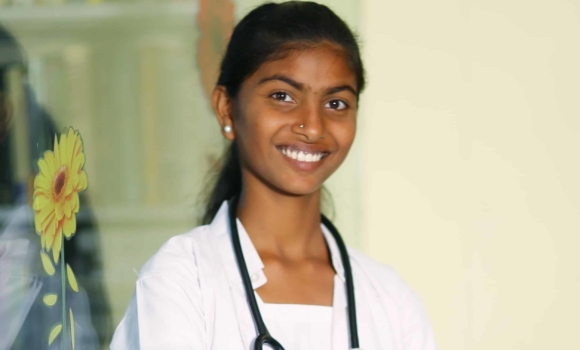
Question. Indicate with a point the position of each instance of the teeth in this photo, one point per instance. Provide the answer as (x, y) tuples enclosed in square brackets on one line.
[(302, 156)]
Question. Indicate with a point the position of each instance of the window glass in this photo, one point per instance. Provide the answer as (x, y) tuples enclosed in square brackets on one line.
[(107, 140)]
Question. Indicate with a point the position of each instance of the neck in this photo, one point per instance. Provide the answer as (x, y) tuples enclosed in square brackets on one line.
[(282, 224)]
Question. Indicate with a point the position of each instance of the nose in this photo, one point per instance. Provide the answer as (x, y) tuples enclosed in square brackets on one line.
[(310, 124)]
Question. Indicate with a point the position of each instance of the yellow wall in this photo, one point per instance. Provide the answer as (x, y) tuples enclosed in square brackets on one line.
[(471, 130)]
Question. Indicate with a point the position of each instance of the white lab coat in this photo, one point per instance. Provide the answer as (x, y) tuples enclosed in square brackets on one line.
[(189, 295)]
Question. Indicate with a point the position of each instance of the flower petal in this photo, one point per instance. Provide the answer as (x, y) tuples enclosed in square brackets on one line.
[(56, 153), (45, 224), (49, 232), (41, 191), (64, 159), (72, 329), (78, 146), (44, 170), (50, 299), (82, 181), (74, 179), (50, 159), (42, 182), (58, 210), (68, 186), (72, 280), (40, 201), (54, 332), (49, 207), (73, 142), (70, 226), (78, 163), (72, 139), (57, 244), (75, 202), (67, 207), (40, 219), (37, 226), (46, 263)]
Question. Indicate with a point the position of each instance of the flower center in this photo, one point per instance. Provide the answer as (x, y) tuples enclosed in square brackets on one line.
[(59, 181)]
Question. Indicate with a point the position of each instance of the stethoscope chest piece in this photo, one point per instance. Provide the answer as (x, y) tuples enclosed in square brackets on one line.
[(266, 339)]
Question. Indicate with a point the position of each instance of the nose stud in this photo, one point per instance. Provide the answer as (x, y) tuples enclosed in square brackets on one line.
[(301, 126)]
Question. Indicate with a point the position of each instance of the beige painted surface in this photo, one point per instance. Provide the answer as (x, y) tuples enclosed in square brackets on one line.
[(471, 133)]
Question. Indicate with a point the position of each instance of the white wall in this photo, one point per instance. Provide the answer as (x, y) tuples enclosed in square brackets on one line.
[(470, 132)]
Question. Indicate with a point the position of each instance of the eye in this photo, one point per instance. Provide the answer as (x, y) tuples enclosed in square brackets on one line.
[(282, 97), (337, 105)]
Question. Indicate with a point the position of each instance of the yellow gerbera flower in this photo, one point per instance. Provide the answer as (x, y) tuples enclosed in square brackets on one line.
[(56, 188)]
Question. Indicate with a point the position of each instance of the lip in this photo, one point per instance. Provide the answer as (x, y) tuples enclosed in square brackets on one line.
[(300, 165)]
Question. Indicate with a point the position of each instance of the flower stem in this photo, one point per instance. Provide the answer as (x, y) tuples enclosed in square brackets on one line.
[(63, 278)]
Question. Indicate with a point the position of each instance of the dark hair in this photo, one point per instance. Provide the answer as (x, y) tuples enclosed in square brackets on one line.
[(270, 32)]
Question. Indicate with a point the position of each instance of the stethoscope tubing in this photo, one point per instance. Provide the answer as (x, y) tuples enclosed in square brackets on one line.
[(351, 304), (264, 336)]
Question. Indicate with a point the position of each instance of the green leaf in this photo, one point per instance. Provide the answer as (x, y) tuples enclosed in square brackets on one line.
[(71, 278), (54, 333), (46, 263), (72, 329), (50, 299)]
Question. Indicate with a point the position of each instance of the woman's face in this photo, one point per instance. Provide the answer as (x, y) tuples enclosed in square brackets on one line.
[(312, 87)]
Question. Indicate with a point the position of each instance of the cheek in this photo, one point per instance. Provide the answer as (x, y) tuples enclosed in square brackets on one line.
[(344, 135), (256, 129)]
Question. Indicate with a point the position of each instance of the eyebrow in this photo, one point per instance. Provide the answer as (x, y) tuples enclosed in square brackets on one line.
[(334, 90), (300, 86)]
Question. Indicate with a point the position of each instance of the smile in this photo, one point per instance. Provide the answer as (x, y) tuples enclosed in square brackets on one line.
[(302, 156)]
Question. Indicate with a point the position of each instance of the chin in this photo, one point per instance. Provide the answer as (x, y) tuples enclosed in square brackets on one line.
[(302, 189)]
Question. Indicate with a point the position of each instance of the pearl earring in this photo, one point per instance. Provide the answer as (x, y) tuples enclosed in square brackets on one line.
[(227, 128)]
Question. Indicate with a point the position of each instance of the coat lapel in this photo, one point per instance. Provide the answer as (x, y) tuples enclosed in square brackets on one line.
[(220, 226)]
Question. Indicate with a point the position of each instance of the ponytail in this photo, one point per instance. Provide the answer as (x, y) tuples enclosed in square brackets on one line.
[(227, 185)]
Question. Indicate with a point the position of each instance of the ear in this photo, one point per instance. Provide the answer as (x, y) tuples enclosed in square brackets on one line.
[(223, 108)]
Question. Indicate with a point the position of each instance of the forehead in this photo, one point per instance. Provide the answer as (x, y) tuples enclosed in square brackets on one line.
[(316, 68)]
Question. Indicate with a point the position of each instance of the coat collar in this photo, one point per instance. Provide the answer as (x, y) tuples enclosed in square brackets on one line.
[(220, 227)]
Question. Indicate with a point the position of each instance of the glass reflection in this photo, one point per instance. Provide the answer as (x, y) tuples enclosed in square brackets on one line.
[(27, 130)]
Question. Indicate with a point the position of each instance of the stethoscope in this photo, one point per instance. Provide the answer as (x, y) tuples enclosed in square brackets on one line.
[(264, 336)]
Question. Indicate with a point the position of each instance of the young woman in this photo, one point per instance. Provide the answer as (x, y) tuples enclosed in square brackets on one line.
[(266, 267)]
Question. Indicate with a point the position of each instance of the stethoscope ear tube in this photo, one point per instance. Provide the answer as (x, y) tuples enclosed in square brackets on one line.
[(351, 304), (261, 327), (264, 336)]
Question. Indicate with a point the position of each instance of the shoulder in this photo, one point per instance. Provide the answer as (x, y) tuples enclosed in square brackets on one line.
[(167, 308), (390, 290), (178, 256)]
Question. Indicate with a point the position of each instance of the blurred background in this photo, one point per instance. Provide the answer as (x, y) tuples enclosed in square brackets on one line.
[(464, 175)]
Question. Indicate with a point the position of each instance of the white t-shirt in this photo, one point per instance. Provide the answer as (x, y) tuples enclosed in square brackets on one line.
[(298, 327), (190, 295)]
